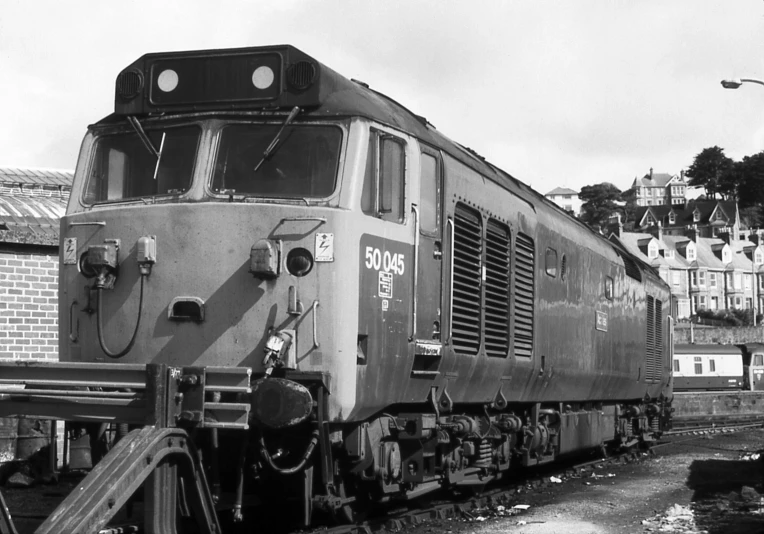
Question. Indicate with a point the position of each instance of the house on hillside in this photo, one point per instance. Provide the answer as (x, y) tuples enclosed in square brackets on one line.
[(32, 201), (567, 199), (659, 189), (703, 272), (709, 217)]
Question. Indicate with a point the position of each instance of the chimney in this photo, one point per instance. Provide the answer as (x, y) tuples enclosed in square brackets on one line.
[(755, 238), (681, 174), (656, 231), (615, 225), (725, 235), (651, 173), (692, 233)]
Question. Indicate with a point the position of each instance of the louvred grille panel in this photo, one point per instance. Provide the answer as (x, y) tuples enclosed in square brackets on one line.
[(465, 327), (497, 290), (524, 269)]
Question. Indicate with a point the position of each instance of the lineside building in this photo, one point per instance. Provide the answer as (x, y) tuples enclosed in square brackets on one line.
[(32, 201)]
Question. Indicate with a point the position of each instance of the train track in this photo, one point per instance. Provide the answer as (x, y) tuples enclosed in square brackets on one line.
[(710, 423), (499, 500), (491, 500)]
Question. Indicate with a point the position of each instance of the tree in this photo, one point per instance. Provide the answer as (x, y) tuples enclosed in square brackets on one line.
[(749, 177), (629, 209), (708, 171), (599, 203)]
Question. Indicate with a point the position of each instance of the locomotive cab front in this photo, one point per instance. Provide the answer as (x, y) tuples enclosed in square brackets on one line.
[(215, 226)]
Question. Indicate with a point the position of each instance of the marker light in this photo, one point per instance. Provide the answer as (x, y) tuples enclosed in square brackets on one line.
[(168, 80), (299, 262), (263, 77)]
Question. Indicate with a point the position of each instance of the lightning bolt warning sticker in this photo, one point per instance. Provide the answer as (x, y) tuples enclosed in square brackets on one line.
[(70, 251), (324, 247)]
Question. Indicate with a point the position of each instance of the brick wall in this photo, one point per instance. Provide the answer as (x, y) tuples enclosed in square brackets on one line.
[(29, 304)]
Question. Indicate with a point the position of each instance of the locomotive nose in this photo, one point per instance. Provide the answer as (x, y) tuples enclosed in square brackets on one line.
[(279, 403)]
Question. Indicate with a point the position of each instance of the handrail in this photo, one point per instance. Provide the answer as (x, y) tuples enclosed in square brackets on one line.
[(88, 223), (451, 234), (415, 211), (315, 324)]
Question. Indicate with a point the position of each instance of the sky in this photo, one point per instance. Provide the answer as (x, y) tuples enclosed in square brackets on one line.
[(559, 93)]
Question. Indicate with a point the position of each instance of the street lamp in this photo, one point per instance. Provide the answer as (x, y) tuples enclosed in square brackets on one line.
[(753, 280), (734, 83)]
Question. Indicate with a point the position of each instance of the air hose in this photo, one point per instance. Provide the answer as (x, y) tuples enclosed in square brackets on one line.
[(99, 313)]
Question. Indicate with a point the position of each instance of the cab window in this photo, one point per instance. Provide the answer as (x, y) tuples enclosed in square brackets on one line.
[(383, 183), (428, 194)]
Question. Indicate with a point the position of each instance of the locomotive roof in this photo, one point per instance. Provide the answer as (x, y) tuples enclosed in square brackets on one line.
[(328, 95)]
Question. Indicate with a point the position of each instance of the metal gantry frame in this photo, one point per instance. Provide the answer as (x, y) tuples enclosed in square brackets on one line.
[(164, 402)]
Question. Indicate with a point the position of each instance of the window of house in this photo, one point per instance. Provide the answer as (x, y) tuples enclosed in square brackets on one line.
[(718, 215), (702, 278), (384, 180), (748, 303), (738, 302), (652, 251), (758, 257), (712, 279), (694, 278), (698, 365), (702, 302), (747, 281), (696, 216), (672, 218), (676, 277), (691, 253)]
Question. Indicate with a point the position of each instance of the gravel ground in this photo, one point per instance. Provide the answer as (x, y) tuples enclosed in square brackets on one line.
[(707, 484)]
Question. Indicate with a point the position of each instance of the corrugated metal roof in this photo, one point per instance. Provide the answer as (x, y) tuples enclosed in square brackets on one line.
[(36, 176), (32, 220)]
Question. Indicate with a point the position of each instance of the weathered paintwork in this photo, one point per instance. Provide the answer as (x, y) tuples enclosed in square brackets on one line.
[(586, 347)]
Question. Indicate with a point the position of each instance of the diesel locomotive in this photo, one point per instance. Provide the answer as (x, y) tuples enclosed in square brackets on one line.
[(412, 317)]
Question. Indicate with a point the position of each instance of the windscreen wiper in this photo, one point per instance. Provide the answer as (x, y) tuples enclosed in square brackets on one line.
[(272, 147), (142, 135), (147, 142)]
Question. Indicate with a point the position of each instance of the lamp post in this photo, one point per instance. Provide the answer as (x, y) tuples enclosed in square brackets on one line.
[(753, 281), (734, 83)]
